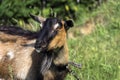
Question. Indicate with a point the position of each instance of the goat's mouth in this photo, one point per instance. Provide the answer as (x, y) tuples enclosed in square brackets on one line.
[(40, 48)]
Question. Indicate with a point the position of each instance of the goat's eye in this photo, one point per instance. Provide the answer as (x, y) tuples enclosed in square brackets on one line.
[(60, 25)]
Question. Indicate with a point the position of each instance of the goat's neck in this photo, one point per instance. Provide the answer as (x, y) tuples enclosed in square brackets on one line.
[(62, 56)]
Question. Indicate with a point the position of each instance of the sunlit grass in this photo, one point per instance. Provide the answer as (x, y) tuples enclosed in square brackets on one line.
[(99, 52)]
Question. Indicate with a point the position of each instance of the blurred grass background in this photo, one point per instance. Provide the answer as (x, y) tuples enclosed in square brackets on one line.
[(94, 41), (98, 50)]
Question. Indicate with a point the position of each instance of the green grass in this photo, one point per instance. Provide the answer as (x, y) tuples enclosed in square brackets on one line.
[(99, 52)]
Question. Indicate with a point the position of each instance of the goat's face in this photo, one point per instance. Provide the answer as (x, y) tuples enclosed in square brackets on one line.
[(52, 34)]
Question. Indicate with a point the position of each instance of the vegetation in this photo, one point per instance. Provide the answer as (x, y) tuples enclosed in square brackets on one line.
[(98, 51), (17, 11)]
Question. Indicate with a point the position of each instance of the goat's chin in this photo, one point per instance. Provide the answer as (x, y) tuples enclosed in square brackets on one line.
[(38, 50)]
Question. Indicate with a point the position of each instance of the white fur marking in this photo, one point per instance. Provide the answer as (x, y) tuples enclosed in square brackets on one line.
[(2, 79), (10, 54), (56, 25), (0, 57)]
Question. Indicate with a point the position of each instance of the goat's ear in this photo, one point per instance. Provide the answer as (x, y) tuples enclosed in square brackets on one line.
[(38, 18), (68, 24)]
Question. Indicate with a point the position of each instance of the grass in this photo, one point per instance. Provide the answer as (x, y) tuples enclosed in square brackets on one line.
[(99, 52)]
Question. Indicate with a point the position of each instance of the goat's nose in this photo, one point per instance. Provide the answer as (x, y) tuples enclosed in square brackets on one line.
[(39, 45)]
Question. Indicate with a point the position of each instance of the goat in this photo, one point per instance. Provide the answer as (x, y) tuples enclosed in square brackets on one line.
[(41, 55)]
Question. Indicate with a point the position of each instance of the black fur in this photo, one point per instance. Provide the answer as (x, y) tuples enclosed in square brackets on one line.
[(47, 33), (14, 30), (46, 62)]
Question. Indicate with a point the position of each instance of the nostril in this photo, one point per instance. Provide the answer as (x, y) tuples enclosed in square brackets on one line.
[(37, 46), (43, 44), (40, 44)]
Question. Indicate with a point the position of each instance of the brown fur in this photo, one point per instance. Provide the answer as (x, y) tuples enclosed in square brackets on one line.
[(21, 54), (25, 63)]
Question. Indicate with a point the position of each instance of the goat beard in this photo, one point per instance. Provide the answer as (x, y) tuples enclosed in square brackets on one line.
[(46, 62)]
